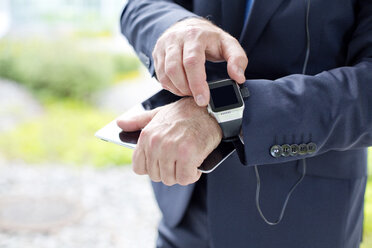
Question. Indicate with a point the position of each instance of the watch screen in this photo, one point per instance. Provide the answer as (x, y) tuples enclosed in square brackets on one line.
[(223, 96)]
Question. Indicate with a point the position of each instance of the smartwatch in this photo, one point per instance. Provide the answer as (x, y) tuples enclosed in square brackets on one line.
[(226, 105)]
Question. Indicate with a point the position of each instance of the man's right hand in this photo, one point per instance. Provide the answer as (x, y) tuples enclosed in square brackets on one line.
[(181, 51)]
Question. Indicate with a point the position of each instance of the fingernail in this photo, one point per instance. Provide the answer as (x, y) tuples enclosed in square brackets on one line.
[(200, 100)]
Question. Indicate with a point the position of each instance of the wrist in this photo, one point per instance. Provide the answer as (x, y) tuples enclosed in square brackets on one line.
[(190, 107), (216, 128)]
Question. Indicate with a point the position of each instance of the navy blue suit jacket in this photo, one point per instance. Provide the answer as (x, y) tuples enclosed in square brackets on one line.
[(330, 106)]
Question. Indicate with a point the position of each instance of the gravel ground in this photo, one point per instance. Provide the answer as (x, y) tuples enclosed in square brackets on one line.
[(115, 207)]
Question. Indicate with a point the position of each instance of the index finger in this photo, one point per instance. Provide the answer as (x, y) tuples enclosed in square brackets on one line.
[(194, 65), (236, 58)]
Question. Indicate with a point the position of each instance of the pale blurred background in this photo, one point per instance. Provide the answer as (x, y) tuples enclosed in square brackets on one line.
[(65, 71)]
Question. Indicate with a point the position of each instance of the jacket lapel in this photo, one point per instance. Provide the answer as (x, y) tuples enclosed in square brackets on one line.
[(233, 16), (262, 11)]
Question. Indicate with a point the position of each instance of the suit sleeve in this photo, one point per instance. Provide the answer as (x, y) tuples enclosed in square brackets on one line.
[(332, 109), (143, 22)]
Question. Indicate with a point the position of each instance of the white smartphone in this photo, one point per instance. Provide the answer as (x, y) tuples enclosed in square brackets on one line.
[(112, 133)]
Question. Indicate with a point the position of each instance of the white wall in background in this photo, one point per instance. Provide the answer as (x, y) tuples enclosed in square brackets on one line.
[(4, 17)]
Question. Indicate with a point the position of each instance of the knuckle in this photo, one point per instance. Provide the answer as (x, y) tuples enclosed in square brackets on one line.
[(144, 134), (170, 35), (194, 179), (135, 154), (232, 40), (156, 48), (168, 181), (166, 145), (196, 47), (183, 183), (158, 62), (155, 140), (154, 174), (157, 67), (155, 178), (241, 59), (183, 150), (185, 91), (193, 32), (171, 69), (161, 40), (183, 87), (184, 178), (139, 170), (172, 48), (167, 175), (191, 60), (163, 79), (164, 86)]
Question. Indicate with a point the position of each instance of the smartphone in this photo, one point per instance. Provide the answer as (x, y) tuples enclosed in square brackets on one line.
[(112, 133)]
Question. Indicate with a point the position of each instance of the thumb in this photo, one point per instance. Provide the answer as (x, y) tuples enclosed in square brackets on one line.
[(236, 58), (136, 122)]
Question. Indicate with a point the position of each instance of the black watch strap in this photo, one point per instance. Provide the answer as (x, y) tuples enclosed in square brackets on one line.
[(231, 129), (239, 147)]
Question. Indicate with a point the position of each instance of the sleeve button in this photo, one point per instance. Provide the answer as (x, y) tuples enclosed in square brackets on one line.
[(286, 149), (294, 150), (302, 149), (276, 151), (311, 148)]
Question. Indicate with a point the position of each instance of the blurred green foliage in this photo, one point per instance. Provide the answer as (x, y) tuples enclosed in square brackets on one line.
[(64, 134), (370, 161), (61, 69), (367, 239)]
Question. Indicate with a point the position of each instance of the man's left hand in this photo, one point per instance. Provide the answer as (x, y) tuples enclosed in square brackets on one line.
[(174, 141)]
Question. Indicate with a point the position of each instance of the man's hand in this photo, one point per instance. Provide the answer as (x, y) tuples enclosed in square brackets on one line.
[(181, 51), (174, 141)]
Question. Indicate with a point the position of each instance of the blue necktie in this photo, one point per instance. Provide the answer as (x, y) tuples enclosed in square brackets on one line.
[(248, 8)]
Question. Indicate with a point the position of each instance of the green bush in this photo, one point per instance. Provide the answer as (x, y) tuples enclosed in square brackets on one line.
[(125, 65), (367, 237), (61, 69), (64, 134)]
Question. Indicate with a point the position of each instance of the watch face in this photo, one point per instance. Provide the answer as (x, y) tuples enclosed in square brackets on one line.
[(225, 95)]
